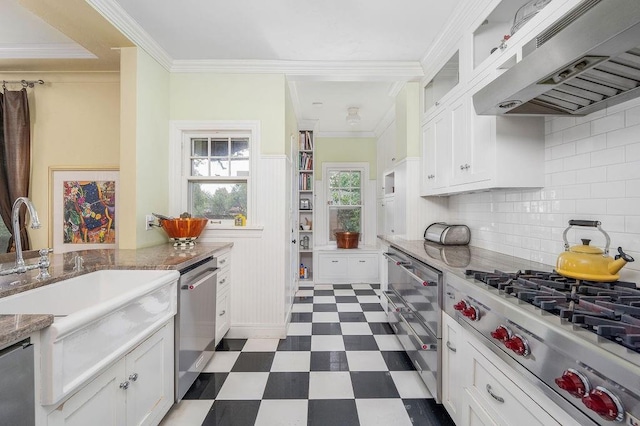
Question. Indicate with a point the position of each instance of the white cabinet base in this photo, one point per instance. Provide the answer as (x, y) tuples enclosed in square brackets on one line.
[(347, 266)]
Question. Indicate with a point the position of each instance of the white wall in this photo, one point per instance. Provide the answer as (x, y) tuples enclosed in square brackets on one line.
[(592, 171)]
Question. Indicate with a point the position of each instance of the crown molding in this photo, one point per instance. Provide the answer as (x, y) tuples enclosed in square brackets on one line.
[(308, 70), (295, 99), (119, 18), (345, 135), (44, 51)]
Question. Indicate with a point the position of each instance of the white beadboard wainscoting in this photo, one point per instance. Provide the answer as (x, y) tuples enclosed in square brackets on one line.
[(259, 270), (592, 171)]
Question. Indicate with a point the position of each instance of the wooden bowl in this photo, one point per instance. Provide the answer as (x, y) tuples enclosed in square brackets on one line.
[(184, 228)]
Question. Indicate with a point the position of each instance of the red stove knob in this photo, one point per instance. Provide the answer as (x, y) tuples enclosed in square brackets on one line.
[(501, 333), (573, 382), (460, 306), (606, 404), (472, 313), (518, 344)]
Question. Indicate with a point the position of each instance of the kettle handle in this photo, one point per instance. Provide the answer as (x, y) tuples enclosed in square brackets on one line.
[(590, 223)]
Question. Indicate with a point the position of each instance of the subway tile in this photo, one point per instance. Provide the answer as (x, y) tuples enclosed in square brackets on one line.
[(547, 154), (563, 206), (591, 206), (591, 175), (564, 150), (623, 136), (594, 143), (608, 190), (623, 106), (521, 252), (531, 195), (623, 206), (632, 188), (562, 123), (522, 207), (550, 193), (632, 116), (608, 123), (513, 196), (563, 178), (624, 171), (632, 223), (577, 192), (607, 156), (553, 139), (576, 162), (576, 132), (593, 116), (632, 152), (531, 243), (550, 246), (614, 222)]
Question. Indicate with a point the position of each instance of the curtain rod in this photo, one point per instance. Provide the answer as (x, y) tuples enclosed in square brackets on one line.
[(25, 83)]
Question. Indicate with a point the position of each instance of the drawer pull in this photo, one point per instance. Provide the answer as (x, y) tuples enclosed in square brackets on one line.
[(362, 261), (224, 280), (222, 313), (451, 295), (334, 261), (451, 348), (493, 395), (223, 261), (423, 346)]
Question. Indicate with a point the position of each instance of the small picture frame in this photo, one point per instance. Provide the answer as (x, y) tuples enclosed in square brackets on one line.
[(305, 204)]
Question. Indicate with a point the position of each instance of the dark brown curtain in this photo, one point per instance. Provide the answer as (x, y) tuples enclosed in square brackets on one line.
[(15, 158)]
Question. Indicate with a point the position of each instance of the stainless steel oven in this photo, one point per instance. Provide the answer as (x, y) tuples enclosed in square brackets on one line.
[(414, 311), (195, 325)]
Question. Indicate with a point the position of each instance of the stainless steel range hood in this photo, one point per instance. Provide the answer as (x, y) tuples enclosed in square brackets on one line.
[(587, 61)]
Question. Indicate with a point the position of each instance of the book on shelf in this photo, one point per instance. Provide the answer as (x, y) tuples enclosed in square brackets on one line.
[(305, 139), (305, 161)]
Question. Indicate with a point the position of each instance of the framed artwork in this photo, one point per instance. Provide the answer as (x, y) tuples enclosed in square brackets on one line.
[(84, 208)]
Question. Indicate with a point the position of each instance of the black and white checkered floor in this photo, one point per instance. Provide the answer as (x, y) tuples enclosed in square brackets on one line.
[(340, 364)]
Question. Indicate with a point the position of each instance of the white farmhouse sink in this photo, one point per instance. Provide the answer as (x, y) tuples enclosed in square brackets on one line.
[(99, 317)]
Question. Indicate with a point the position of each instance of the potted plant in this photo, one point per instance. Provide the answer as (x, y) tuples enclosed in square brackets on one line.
[(348, 235)]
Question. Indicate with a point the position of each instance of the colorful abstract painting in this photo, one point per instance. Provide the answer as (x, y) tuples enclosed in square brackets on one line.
[(89, 212)]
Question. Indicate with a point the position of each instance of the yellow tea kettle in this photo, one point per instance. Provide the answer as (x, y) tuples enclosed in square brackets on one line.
[(585, 262)]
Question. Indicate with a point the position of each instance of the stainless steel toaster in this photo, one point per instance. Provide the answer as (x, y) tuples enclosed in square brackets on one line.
[(450, 235)]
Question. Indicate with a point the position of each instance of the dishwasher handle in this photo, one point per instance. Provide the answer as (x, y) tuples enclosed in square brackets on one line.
[(212, 273)]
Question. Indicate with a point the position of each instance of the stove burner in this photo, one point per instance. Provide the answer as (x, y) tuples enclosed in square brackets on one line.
[(611, 310)]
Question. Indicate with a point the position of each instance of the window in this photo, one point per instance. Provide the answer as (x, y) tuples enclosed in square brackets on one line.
[(216, 160), (219, 168), (345, 203)]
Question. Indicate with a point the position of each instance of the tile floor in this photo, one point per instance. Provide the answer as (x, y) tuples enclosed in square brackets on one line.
[(339, 365)]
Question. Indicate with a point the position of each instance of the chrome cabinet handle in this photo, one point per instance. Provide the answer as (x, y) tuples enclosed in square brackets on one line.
[(133, 377), (423, 346), (222, 313), (451, 348), (124, 385), (493, 395)]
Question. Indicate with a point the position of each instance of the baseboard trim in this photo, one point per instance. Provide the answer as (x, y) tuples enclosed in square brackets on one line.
[(275, 331)]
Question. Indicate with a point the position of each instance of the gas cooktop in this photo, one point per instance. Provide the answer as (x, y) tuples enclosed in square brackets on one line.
[(611, 310)]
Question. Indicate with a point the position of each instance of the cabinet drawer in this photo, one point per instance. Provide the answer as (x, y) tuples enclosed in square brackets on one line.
[(500, 396), (223, 259), (363, 268), (223, 315), (224, 279), (333, 266)]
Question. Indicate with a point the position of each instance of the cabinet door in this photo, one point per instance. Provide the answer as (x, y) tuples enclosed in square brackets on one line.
[(102, 402), (332, 267), (389, 215), (223, 315), (436, 140), (150, 373), (475, 415), (452, 367), (460, 140)]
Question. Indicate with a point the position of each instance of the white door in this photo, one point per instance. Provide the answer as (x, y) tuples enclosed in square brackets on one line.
[(294, 220)]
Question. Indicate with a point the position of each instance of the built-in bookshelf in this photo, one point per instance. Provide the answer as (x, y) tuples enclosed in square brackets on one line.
[(305, 204)]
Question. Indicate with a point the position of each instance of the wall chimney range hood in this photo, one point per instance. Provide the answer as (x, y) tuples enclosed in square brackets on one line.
[(587, 61)]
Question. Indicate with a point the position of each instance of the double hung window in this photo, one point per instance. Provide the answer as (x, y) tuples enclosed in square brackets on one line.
[(344, 200)]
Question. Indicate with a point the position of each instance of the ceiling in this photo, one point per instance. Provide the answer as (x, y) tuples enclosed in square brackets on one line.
[(336, 53)]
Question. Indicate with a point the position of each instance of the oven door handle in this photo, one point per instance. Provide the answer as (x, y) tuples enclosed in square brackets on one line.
[(398, 261), (423, 346), (418, 279), (212, 273)]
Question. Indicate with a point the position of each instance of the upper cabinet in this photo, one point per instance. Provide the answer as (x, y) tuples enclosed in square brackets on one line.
[(442, 83)]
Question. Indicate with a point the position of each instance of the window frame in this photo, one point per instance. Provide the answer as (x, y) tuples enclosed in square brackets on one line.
[(180, 162), (363, 168)]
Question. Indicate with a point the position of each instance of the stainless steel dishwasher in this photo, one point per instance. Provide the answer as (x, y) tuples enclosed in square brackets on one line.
[(17, 398), (195, 324)]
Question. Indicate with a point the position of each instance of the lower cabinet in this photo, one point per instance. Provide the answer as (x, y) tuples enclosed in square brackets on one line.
[(352, 267), (480, 389), (136, 390), (223, 295)]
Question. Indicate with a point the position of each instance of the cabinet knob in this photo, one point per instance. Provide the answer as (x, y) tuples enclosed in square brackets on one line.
[(461, 167), (133, 377), (222, 313), (124, 385), (467, 166)]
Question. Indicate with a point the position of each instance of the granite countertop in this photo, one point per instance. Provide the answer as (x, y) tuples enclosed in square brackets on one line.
[(456, 259), (166, 257)]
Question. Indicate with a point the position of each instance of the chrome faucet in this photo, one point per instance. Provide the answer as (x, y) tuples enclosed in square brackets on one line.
[(21, 267)]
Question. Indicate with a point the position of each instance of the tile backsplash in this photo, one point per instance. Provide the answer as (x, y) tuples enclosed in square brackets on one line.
[(592, 171)]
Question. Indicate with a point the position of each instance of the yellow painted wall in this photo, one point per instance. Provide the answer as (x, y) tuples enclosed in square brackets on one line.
[(408, 121), (152, 147), (291, 122), (345, 150), (210, 96), (75, 122)]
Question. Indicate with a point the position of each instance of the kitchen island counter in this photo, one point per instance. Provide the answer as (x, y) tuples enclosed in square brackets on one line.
[(164, 257)]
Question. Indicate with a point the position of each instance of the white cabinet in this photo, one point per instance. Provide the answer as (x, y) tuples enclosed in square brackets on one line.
[(347, 266), (136, 390), (389, 215), (436, 142), (223, 295), (452, 367)]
